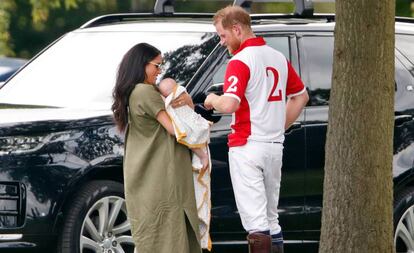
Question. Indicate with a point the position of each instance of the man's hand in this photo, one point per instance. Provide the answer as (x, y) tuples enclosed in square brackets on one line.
[(208, 103), (223, 104)]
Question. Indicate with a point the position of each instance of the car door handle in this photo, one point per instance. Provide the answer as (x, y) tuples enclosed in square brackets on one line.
[(401, 119), (207, 114), (294, 126)]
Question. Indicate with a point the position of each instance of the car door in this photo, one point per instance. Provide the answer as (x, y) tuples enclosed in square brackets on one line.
[(316, 59), (226, 224), (316, 55), (403, 160)]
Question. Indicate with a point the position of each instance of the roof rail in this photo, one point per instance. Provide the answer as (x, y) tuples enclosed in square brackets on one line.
[(404, 19), (303, 8), (125, 17), (164, 7), (111, 18)]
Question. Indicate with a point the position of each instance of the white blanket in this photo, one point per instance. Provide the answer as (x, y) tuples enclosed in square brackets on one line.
[(193, 131)]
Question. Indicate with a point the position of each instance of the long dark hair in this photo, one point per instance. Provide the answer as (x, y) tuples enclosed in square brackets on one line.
[(131, 71)]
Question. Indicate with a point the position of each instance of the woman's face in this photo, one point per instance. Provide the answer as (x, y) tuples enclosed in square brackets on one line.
[(152, 70)]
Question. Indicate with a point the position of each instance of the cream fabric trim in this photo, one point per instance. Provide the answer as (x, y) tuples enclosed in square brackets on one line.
[(193, 131)]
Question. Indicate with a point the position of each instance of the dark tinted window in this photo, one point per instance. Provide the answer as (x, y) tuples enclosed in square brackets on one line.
[(279, 43), (405, 44), (404, 97), (184, 61), (316, 61), (218, 77)]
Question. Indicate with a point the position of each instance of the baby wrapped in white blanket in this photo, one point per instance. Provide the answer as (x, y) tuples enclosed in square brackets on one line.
[(193, 131)]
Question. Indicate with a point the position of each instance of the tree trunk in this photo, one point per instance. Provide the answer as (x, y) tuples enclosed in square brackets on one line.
[(357, 206)]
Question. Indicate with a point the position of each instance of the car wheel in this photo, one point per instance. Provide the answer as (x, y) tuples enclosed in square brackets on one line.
[(404, 221), (96, 221)]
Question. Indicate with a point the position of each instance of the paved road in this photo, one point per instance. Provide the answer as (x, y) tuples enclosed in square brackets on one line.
[(243, 249)]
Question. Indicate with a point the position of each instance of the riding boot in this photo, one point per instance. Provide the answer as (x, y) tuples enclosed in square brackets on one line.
[(277, 248), (259, 243)]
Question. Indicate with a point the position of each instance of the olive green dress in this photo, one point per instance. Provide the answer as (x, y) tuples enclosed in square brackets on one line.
[(159, 188)]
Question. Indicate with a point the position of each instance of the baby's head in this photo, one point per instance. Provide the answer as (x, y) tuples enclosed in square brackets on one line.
[(167, 86)]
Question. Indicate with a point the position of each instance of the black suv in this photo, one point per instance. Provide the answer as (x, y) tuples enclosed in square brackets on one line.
[(61, 181)]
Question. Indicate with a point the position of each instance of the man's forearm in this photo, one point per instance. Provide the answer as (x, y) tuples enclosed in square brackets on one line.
[(294, 107), (223, 104)]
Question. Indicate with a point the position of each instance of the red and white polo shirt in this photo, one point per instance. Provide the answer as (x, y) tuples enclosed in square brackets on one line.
[(260, 78)]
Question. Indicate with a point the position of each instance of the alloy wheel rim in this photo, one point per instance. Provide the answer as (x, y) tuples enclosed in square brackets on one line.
[(404, 232), (106, 228)]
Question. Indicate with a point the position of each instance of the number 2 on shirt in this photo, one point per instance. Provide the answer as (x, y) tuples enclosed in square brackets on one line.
[(232, 87), (272, 96)]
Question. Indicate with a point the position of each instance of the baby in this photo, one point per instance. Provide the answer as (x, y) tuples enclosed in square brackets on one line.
[(199, 126), (193, 131)]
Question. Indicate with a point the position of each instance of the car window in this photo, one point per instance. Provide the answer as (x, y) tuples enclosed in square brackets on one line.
[(405, 43), (317, 58), (280, 43), (8, 66), (404, 97), (80, 69)]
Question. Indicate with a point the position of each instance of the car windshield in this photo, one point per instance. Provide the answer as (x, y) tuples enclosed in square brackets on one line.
[(79, 70)]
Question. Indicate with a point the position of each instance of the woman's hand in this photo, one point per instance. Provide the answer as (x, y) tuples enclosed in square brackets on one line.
[(165, 121), (183, 99)]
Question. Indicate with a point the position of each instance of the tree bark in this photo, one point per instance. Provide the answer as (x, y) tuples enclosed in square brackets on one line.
[(357, 205)]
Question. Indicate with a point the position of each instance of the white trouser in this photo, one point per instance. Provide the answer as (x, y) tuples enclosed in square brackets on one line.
[(255, 171)]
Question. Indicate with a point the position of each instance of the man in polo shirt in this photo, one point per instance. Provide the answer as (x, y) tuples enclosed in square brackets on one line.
[(265, 95)]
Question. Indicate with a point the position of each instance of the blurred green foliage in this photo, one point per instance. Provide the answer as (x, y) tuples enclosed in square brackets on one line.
[(6, 8), (27, 26)]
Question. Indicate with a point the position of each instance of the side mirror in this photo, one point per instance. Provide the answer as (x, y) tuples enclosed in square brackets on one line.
[(216, 88), (207, 114)]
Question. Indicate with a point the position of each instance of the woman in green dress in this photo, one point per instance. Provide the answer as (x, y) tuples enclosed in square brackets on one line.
[(159, 189)]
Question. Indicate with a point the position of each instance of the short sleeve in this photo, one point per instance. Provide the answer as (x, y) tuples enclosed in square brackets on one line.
[(148, 100), (236, 79), (294, 84)]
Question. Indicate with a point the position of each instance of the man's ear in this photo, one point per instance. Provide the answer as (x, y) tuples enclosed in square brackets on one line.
[(236, 29)]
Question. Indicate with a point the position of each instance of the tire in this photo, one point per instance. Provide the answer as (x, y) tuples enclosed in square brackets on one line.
[(96, 221), (404, 221)]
